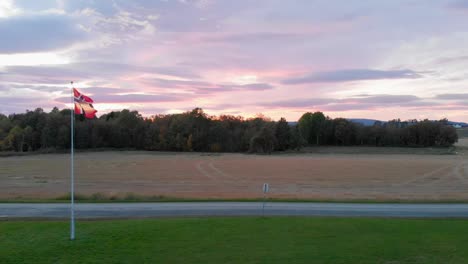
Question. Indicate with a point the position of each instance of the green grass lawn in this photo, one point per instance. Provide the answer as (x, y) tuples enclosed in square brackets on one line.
[(237, 240)]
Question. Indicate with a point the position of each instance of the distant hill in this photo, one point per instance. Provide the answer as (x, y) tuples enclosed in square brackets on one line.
[(462, 124), (364, 121), (371, 122)]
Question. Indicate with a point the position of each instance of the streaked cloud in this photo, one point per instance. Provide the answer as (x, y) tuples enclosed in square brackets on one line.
[(351, 103), (257, 38), (457, 96), (235, 87), (87, 71), (353, 75), (32, 33), (130, 98), (458, 4)]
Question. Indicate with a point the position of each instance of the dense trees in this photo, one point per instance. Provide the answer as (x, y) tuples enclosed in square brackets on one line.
[(283, 135), (196, 131), (312, 126)]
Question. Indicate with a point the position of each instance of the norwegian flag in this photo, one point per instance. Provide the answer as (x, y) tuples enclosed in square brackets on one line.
[(83, 105)]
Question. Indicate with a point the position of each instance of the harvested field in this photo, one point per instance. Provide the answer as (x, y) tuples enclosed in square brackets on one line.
[(462, 132), (462, 142), (238, 176)]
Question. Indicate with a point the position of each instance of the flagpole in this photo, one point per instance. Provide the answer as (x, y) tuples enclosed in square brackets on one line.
[(72, 167)]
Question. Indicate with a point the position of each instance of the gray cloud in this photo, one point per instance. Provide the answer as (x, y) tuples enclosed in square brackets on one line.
[(20, 104), (167, 83), (131, 98), (455, 96), (257, 37), (59, 74), (171, 16), (225, 106), (141, 98), (232, 88), (353, 75), (85, 71), (362, 102), (202, 87), (452, 59), (300, 103), (36, 5), (38, 33), (110, 69), (458, 4), (17, 100), (40, 88), (384, 99), (455, 107), (347, 107), (245, 87), (105, 90)]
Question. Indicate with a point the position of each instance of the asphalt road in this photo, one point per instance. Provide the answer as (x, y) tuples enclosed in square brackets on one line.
[(141, 210)]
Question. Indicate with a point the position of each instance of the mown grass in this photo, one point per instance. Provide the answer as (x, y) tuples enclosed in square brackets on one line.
[(237, 240)]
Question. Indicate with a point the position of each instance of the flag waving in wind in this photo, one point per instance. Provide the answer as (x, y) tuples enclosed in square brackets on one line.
[(83, 105)]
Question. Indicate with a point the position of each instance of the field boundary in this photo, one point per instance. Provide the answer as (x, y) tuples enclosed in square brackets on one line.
[(323, 150), (133, 198)]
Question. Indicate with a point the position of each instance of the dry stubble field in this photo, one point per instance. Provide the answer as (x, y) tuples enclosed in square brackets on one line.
[(195, 175)]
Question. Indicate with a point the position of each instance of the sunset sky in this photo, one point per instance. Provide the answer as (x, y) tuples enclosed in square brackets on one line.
[(356, 59)]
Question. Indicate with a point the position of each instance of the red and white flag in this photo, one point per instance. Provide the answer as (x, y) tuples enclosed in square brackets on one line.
[(83, 105)]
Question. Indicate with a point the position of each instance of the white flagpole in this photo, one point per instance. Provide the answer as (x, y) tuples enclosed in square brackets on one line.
[(72, 167)]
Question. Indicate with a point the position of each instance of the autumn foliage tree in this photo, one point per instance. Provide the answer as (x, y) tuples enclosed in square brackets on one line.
[(196, 131)]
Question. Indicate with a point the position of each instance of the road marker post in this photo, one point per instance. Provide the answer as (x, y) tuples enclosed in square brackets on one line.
[(266, 189)]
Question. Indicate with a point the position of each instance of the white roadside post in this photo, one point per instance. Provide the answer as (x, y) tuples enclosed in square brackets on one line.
[(72, 167), (266, 189)]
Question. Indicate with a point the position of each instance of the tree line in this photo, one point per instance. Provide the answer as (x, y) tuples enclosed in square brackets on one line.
[(196, 131)]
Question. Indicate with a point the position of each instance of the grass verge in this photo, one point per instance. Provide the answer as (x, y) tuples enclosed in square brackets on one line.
[(137, 198), (237, 240), (353, 150)]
